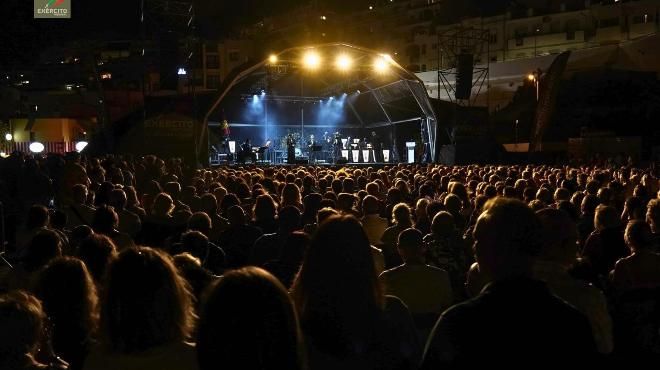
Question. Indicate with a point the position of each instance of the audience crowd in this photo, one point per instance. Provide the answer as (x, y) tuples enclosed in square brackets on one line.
[(145, 263)]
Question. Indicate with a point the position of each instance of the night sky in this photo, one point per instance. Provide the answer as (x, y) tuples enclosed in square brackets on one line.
[(24, 36)]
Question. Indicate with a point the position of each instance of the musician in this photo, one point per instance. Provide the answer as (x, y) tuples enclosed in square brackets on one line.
[(377, 147), (311, 148), (290, 149), (246, 152)]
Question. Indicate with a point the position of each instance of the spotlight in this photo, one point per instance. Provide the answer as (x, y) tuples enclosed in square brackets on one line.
[(272, 59), (80, 146), (381, 65), (343, 62), (8, 136), (332, 98), (311, 60), (387, 57), (263, 92), (37, 147)]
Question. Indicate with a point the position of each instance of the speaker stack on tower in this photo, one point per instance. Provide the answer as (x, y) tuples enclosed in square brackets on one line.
[(464, 71)]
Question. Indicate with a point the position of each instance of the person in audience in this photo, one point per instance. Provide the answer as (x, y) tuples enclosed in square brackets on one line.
[(147, 315), (423, 288), (69, 299), (265, 214), (445, 249), (248, 321), (347, 320), (129, 222), (402, 219), (422, 221), (238, 239), (22, 326), (36, 221), (291, 197), (97, 251), (374, 225), (653, 219), (106, 222), (198, 278), (515, 320), (605, 245), (641, 269), (44, 246), (79, 212), (556, 258), (268, 247)]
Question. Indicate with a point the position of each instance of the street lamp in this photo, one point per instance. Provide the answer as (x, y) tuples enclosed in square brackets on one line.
[(535, 35), (535, 77)]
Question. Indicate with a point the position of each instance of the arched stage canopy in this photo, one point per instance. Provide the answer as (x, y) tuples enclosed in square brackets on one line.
[(324, 88)]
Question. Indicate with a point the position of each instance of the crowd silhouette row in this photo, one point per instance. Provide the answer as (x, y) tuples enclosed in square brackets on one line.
[(143, 263)]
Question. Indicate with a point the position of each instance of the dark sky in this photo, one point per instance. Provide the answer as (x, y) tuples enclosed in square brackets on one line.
[(24, 36)]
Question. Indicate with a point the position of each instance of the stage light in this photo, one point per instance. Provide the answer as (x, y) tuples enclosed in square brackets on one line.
[(37, 147), (344, 62), (181, 71), (381, 65), (263, 92), (272, 59), (8, 136), (80, 146), (311, 60), (387, 57)]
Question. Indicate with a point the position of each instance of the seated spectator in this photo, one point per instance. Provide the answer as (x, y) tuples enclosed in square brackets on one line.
[(268, 247), (346, 204), (557, 256), (211, 256), (44, 247), (106, 222), (653, 219), (199, 278), (248, 322), (97, 251), (374, 225), (22, 326), (265, 214), (159, 223), (238, 239), (422, 288), (79, 212), (288, 262), (129, 222), (291, 197), (402, 219), (445, 250), (422, 221), (605, 245), (515, 319), (641, 269), (312, 204), (146, 315), (37, 220), (69, 299), (346, 319)]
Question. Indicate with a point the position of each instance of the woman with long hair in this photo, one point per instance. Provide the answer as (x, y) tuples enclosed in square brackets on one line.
[(249, 322), (265, 214), (69, 299), (401, 219), (346, 319), (291, 196), (147, 315)]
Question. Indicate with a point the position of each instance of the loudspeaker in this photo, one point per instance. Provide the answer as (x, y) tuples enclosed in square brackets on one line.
[(464, 70)]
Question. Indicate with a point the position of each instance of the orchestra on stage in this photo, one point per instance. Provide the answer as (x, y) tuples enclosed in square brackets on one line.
[(293, 148)]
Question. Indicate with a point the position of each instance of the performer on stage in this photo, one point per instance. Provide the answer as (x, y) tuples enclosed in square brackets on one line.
[(377, 147), (290, 149), (246, 152)]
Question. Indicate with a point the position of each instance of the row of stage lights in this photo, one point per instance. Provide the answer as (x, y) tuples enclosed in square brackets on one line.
[(343, 62)]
